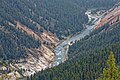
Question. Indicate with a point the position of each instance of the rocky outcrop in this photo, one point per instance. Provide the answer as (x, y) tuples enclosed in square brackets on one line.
[(37, 59), (41, 58), (111, 17)]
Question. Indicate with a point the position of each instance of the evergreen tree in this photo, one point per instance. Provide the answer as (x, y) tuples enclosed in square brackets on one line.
[(112, 71)]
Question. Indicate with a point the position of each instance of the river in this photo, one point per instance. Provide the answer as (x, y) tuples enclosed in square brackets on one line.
[(62, 49)]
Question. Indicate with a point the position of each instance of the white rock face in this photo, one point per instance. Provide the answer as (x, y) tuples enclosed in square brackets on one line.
[(36, 61)]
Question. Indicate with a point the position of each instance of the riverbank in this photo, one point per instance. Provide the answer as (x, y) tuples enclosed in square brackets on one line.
[(62, 49)]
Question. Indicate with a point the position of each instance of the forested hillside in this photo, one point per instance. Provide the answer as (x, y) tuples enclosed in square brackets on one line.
[(87, 58), (98, 39), (62, 17), (13, 43)]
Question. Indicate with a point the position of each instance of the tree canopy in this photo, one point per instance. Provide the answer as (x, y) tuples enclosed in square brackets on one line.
[(112, 71)]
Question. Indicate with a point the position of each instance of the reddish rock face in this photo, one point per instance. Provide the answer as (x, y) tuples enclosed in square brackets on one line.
[(111, 17)]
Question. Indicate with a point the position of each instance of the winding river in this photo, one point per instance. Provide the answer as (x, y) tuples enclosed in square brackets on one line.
[(62, 49)]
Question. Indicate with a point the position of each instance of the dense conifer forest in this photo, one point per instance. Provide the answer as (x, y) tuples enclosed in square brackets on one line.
[(13, 43), (62, 17)]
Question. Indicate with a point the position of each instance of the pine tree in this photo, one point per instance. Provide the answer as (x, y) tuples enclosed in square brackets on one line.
[(112, 71)]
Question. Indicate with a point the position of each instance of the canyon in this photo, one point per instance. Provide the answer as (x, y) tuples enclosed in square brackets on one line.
[(52, 51)]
